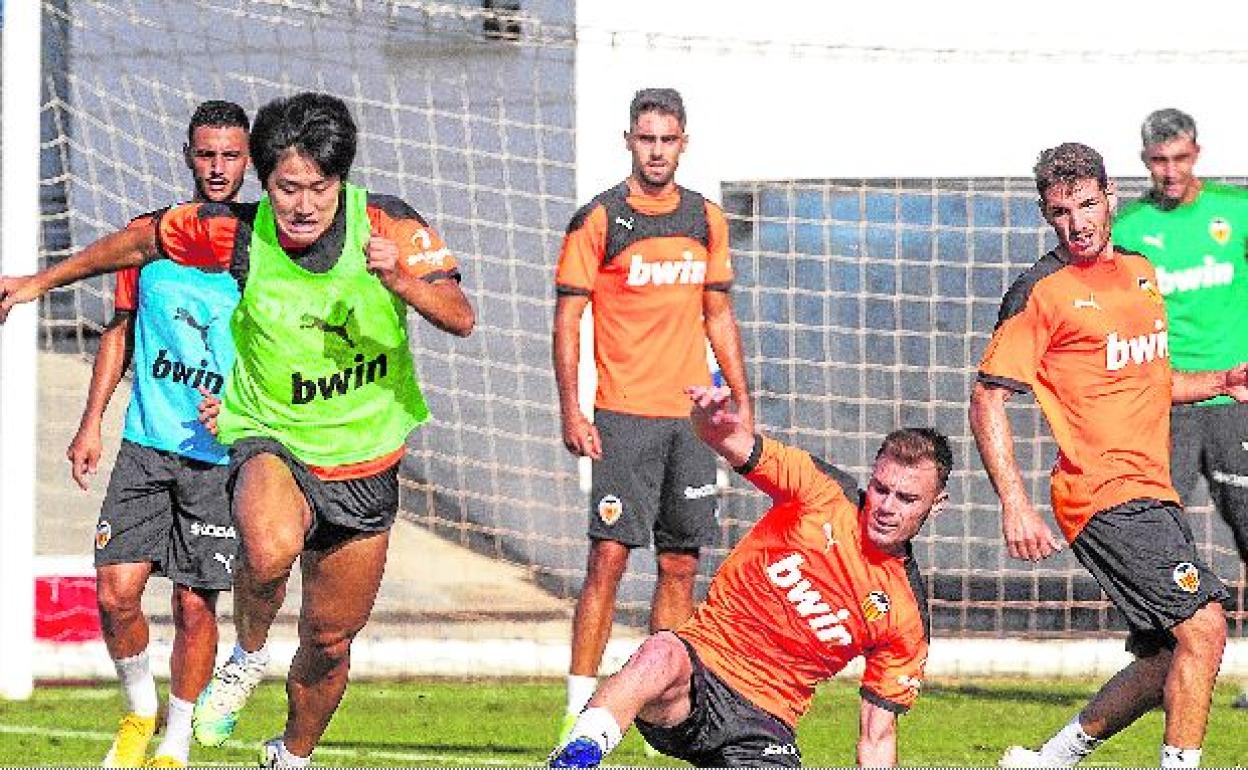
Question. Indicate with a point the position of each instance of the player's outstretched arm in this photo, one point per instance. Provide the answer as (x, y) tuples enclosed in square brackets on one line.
[(1027, 535), (718, 425), (1189, 387), (131, 247), (877, 736), (111, 362), (441, 303)]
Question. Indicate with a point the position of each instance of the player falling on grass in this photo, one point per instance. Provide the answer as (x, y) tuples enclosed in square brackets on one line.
[(1195, 233), (166, 511), (652, 258), (321, 399), (1085, 331), (818, 581)]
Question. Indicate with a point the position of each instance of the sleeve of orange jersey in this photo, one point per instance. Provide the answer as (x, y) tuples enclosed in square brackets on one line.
[(1013, 355), (583, 248), (189, 236), (126, 286), (786, 473), (718, 263), (894, 672), (422, 252)]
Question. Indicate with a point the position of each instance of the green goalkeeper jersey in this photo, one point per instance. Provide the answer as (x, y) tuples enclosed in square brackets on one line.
[(1199, 250)]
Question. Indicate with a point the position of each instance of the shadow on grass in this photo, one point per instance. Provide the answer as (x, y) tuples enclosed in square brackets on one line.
[(1021, 693), (429, 746)]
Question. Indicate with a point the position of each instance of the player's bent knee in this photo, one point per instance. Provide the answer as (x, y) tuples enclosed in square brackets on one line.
[(663, 658)]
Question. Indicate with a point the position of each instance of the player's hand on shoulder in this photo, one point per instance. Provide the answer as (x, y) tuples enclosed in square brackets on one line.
[(1027, 535), (382, 259), (84, 454), (580, 436), (209, 410)]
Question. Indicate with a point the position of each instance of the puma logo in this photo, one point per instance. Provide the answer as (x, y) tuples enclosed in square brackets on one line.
[(628, 223), (309, 321), (1090, 302), (226, 561), (184, 315)]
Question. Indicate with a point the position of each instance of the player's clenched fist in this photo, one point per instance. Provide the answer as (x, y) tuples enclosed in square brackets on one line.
[(14, 290), (383, 259)]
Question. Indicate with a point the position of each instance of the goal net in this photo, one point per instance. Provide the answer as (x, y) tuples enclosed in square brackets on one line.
[(864, 303)]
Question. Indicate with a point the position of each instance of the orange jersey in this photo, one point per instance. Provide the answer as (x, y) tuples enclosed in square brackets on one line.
[(126, 286), (1090, 342), (216, 236), (644, 263), (805, 592)]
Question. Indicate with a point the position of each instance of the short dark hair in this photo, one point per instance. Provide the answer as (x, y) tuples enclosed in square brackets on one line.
[(217, 113), (665, 101), (912, 446), (1167, 124), (319, 126), (1067, 164)]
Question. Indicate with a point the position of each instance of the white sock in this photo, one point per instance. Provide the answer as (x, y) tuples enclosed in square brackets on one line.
[(580, 690), (1070, 745), (138, 684), (177, 740), (1175, 757), (599, 726), (259, 658), (286, 759)]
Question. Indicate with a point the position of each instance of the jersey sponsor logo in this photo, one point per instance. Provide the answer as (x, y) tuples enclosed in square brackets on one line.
[(1089, 303), (184, 315), (165, 368), (304, 389), (1220, 230), (610, 509), (697, 493), (103, 533), (828, 624), (339, 330), (1157, 241), (876, 605), (1119, 353), (199, 529), (686, 270), (627, 224), (1187, 577), (1207, 275)]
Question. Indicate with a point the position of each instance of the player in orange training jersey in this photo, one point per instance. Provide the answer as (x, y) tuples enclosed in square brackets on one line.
[(818, 581), (1084, 330)]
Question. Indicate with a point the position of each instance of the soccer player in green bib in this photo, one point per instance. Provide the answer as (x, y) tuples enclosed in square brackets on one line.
[(1196, 232), (321, 399)]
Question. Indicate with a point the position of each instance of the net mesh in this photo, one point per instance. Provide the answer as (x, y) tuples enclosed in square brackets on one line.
[(864, 303)]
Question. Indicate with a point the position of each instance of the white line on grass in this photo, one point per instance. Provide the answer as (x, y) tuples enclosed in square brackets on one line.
[(323, 751)]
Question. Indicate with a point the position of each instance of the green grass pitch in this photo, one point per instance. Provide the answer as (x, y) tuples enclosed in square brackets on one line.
[(513, 723)]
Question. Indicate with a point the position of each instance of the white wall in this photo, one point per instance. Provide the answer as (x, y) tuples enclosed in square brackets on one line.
[(907, 87)]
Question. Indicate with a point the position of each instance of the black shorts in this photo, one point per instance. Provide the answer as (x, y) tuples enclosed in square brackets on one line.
[(171, 511), (1142, 555), (723, 728), (340, 509), (1209, 441), (654, 476)]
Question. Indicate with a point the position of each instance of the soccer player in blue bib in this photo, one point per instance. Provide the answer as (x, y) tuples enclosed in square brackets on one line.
[(166, 511)]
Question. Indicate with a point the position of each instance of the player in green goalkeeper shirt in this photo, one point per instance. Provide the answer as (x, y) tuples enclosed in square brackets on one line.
[(1196, 232)]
